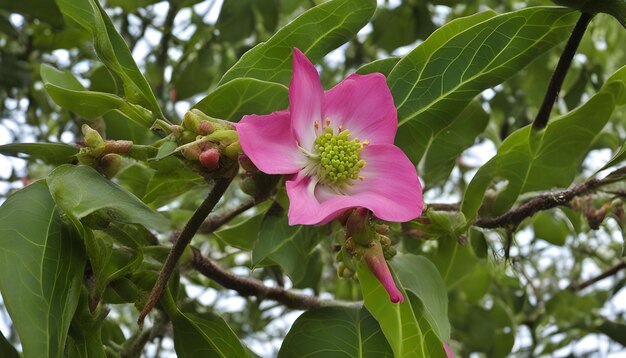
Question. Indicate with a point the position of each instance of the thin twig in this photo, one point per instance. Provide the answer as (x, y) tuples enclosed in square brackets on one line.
[(250, 287), (213, 222), (541, 120), (608, 273), (181, 243)]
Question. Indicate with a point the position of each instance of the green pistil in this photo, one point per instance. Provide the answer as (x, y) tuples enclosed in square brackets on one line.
[(339, 157)]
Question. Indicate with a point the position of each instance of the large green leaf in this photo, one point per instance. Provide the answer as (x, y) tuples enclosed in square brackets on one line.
[(41, 270), (242, 96), (289, 246), (69, 93), (50, 153), (532, 161), (316, 32), (335, 332), (453, 260), (242, 231), (615, 8), (418, 275), (111, 50), (434, 83), (205, 336), (404, 324), (80, 191)]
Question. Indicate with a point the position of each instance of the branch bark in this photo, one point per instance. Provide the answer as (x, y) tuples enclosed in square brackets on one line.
[(541, 120), (608, 273), (250, 287), (181, 243)]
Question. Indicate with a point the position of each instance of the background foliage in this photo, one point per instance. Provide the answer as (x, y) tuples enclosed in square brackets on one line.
[(79, 253)]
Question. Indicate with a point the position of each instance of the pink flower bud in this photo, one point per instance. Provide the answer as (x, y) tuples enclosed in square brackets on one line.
[(448, 350), (376, 262), (205, 127), (210, 158)]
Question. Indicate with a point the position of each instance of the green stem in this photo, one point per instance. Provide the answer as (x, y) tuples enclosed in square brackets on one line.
[(181, 243)]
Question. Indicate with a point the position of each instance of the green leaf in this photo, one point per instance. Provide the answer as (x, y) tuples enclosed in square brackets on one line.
[(316, 32), (242, 96), (404, 324), (6, 349), (289, 246), (171, 179), (68, 93), (453, 260), (80, 191), (384, 66), (44, 10), (50, 153), (533, 161), (418, 275), (111, 50), (434, 83), (335, 332), (41, 270), (243, 231), (615, 8), (550, 226), (205, 336), (451, 141), (109, 262), (195, 73), (401, 25)]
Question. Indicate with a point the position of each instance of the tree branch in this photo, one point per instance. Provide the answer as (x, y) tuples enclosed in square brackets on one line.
[(250, 287), (541, 120), (213, 222), (181, 243), (608, 273)]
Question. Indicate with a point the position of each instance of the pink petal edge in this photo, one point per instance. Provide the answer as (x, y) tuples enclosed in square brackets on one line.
[(376, 262), (268, 142), (306, 97), (364, 105)]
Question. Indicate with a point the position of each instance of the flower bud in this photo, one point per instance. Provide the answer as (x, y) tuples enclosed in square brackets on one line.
[(205, 127), (210, 159), (92, 137), (191, 121), (246, 164), (233, 150), (249, 186), (110, 164), (375, 260), (118, 146), (191, 153)]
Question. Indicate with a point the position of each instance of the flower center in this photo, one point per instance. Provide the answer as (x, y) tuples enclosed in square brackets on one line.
[(338, 157)]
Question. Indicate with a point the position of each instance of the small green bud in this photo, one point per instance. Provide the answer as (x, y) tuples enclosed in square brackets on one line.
[(191, 153), (191, 122), (92, 137), (249, 186), (110, 164), (233, 150)]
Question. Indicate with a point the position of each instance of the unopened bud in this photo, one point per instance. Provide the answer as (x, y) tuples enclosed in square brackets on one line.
[(375, 260), (246, 164), (233, 150), (210, 159), (385, 241), (110, 164), (92, 137), (191, 121), (205, 127), (389, 252), (191, 153), (249, 186), (118, 146)]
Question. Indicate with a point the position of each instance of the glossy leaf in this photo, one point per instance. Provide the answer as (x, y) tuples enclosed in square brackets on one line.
[(316, 32), (111, 50), (408, 334), (615, 8), (384, 66), (50, 153), (551, 227), (453, 260), (41, 270), (532, 161), (242, 96), (242, 232), (205, 336), (335, 332), (433, 83), (80, 191), (418, 275), (288, 246)]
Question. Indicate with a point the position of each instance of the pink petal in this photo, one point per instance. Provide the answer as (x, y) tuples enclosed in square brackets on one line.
[(449, 353), (364, 105), (305, 99), (375, 260), (390, 189), (268, 142)]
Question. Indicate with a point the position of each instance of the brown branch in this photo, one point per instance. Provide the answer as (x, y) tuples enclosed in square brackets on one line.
[(250, 287), (608, 273), (181, 243), (541, 120)]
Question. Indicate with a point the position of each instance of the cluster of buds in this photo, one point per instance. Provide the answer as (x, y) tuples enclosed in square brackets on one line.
[(211, 143), (106, 156), (367, 241), (253, 181)]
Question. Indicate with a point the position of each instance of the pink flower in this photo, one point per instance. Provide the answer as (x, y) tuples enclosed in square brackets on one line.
[(337, 147)]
